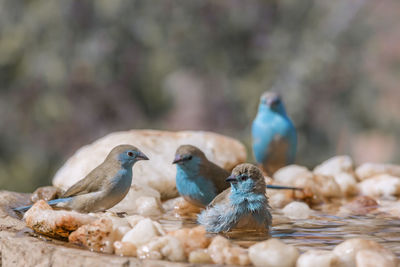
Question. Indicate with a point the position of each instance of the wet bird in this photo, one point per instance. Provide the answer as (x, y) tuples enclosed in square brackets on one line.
[(274, 136), (242, 206), (199, 180), (104, 186)]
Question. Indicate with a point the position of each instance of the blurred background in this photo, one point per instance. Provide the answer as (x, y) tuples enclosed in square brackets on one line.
[(74, 71)]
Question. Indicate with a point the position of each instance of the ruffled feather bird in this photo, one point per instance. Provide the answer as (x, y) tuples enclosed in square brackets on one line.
[(242, 206)]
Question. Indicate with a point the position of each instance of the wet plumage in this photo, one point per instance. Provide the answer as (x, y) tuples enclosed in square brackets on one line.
[(243, 205)]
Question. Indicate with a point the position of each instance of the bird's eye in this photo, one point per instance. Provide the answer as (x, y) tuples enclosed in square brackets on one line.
[(243, 178), (189, 158), (130, 154)]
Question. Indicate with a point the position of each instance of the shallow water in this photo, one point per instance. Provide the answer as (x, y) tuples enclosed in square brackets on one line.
[(324, 230)]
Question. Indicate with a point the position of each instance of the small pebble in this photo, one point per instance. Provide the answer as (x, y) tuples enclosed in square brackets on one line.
[(273, 253), (297, 210)]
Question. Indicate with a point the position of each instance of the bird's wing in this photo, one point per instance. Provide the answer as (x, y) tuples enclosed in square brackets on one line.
[(217, 174), (91, 183), (221, 198)]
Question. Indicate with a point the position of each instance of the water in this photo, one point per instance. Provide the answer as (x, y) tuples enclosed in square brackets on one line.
[(324, 230)]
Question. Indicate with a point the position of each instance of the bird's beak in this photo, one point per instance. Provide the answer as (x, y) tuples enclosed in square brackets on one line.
[(272, 100), (141, 156), (231, 179), (177, 159)]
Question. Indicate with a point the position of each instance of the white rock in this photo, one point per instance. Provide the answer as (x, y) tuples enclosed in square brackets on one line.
[(335, 166), (165, 247), (143, 232), (347, 183), (200, 256), (125, 249), (120, 225), (383, 185), (320, 258), (134, 219), (371, 258), (277, 199), (273, 253), (297, 210), (222, 251), (294, 175), (347, 251), (160, 147), (326, 186), (133, 202), (148, 206), (368, 170)]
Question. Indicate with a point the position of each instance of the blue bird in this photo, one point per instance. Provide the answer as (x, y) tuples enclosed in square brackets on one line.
[(274, 136), (104, 186), (243, 206), (199, 180)]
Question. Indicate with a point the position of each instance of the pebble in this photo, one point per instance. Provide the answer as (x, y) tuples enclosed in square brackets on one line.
[(320, 258), (297, 210), (162, 247), (347, 252), (273, 253)]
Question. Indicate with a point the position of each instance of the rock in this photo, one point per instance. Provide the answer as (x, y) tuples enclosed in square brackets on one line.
[(361, 205), (46, 193), (320, 258), (335, 165), (200, 256), (371, 258), (347, 251), (277, 199), (126, 249), (326, 186), (9, 200), (29, 251), (164, 247), (160, 146), (297, 176), (297, 210), (192, 238), (142, 232), (383, 185), (341, 169), (55, 223), (368, 170), (120, 225), (140, 199), (273, 253), (347, 183), (97, 236), (293, 175), (222, 251)]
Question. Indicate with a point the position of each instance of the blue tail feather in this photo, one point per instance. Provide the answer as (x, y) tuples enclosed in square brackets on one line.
[(281, 187), (50, 202)]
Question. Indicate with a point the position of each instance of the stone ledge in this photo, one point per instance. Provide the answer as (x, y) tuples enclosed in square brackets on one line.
[(30, 251)]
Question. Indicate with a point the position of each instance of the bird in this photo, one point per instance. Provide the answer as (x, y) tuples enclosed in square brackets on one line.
[(104, 187), (242, 206), (274, 138), (199, 180)]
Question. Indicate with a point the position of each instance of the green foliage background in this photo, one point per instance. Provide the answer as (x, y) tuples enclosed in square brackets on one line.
[(73, 71)]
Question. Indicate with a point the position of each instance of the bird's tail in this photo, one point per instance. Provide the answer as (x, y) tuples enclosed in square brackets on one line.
[(281, 187), (52, 202)]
